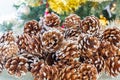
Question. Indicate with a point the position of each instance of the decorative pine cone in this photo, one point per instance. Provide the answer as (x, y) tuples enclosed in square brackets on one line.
[(31, 58), (112, 35), (1, 64), (88, 45), (72, 22), (52, 40), (16, 66), (31, 44), (47, 73), (8, 49), (71, 34), (52, 20), (68, 53), (7, 37), (108, 50), (88, 72), (98, 62), (32, 27), (90, 25), (69, 72), (113, 66)]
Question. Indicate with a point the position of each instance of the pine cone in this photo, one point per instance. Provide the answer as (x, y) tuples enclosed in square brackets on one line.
[(112, 35), (113, 66), (90, 25), (1, 64), (32, 27), (88, 72), (52, 20), (7, 37), (47, 73), (31, 44), (52, 40), (71, 34), (16, 66), (69, 72), (8, 49), (88, 45), (108, 50), (31, 59), (72, 22), (98, 62), (68, 53)]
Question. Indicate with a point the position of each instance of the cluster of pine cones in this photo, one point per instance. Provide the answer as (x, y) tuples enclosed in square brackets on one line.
[(79, 51)]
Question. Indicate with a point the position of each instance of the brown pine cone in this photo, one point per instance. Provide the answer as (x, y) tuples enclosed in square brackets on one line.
[(88, 45), (47, 73), (8, 49), (32, 27), (68, 53), (108, 50), (98, 62), (1, 64), (31, 58), (113, 66), (16, 66), (71, 34), (112, 35), (31, 44), (69, 72), (37, 67), (72, 22), (52, 20), (7, 37), (88, 72), (90, 25), (52, 40)]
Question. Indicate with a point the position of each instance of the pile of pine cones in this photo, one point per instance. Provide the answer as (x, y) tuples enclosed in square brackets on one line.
[(80, 51)]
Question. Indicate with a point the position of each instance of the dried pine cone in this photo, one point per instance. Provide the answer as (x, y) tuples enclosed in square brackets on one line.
[(31, 59), (16, 66), (52, 40), (7, 37), (8, 49), (1, 64), (112, 35), (90, 25), (72, 22), (32, 27), (32, 44), (52, 20), (71, 34), (68, 53), (47, 73), (108, 50), (113, 66), (98, 62), (88, 45), (88, 72)]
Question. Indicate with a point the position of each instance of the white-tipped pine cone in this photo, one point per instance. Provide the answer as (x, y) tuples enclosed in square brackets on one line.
[(90, 25), (52, 20), (113, 66), (32, 27), (8, 49), (98, 62), (1, 64), (112, 35), (72, 22), (31, 44), (52, 40), (7, 37), (47, 73), (16, 66), (31, 58), (108, 50), (68, 53), (88, 45)]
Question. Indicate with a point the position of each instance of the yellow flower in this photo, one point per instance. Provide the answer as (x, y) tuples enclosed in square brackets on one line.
[(61, 6)]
